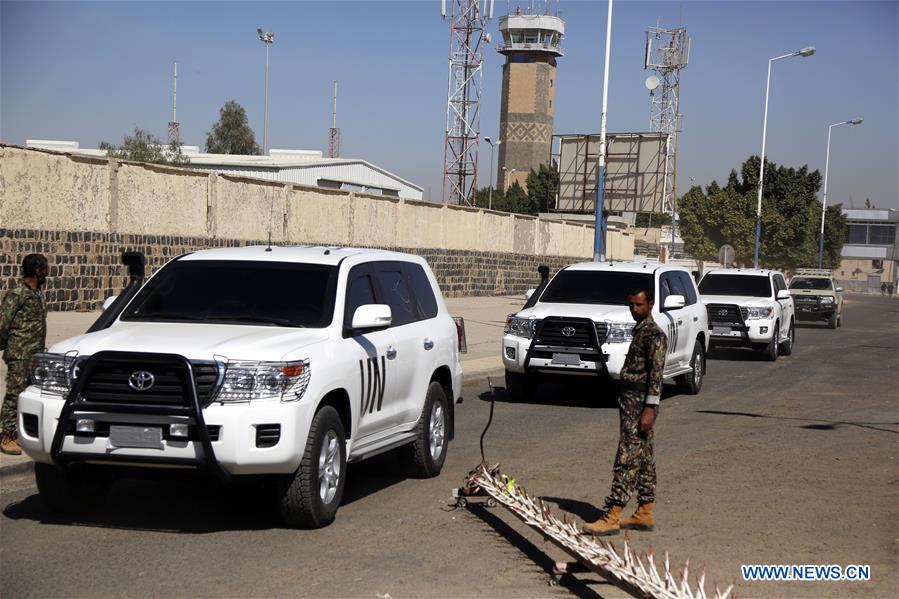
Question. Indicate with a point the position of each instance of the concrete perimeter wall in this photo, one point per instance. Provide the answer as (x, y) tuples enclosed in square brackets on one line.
[(82, 212)]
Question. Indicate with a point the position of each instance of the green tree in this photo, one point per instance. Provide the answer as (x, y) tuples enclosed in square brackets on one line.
[(543, 185), (790, 217), (143, 146), (232, 133)]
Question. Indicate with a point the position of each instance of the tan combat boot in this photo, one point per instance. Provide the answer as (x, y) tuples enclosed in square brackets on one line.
[(607, 525), (10, 446), (641, 520)]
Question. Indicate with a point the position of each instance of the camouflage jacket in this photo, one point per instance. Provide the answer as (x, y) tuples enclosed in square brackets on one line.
[(645, 361), (23, 322)]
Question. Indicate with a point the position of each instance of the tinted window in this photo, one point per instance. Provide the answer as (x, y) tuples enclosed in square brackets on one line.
[(745, 285), (360, 293), (779, 283), (396, 294), (421, 286), (675, 284), (238, 291), (664, 289), (594, 287), (810, 283), (688, 286)]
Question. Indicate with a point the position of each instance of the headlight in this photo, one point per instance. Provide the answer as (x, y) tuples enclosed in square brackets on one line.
[(53, 373), (244, 381), (827, 300), (620, 332), (755, 313), (520, 327)]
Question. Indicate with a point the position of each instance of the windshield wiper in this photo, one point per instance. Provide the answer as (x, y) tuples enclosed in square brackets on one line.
[(165, 316), (258, 319)]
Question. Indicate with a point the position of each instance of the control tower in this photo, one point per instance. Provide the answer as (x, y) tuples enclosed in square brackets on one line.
[(531, 44)]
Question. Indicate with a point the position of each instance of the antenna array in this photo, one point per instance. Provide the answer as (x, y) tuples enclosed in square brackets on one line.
[(174, 127), (334, 132)]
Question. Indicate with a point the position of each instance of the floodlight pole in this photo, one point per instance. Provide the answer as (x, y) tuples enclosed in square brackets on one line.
[(824, 198), (267, 38), (758, 211), (490, 190), (599, 238)]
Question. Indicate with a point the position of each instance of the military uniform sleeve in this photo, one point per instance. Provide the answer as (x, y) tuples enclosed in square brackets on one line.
[(655, 360), (12, 301)]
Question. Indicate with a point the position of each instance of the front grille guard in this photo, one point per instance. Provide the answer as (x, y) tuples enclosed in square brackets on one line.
[(740, 324), (193, 412), (602, 372)]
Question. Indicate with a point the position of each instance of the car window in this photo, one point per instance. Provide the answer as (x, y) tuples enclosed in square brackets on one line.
[(421, 286), (676, 285), (736, 284), (688, 286), (359, 293), (664, 289), (818, 284), (779, 283), (396, 293), (594, 287)]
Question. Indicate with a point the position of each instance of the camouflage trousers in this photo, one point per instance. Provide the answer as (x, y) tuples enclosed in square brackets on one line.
[(635, 466), (16, 381)]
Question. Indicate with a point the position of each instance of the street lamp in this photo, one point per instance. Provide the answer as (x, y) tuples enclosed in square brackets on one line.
[(805, 52), (824, 199), (267, 38), (490, 191)]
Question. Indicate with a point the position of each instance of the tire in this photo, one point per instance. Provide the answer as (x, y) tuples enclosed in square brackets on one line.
[(63, 492), (691, 383), (840, 320), (520, 387), (309, 498), (427, 453), (770, 351), (832, 321), (786, 348)]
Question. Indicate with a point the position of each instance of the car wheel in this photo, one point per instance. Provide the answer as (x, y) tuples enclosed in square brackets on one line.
[(427, 453), (832, 321), (840, 320), (786, 348), (691, 382), (64, 492), (519, 386), (770, 351), (309, 497)]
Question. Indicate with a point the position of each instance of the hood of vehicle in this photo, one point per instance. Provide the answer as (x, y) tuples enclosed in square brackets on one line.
[(196, 341), (745, 301), (595, 312)]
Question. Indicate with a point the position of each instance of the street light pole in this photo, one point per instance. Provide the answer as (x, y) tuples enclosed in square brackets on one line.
[(267, 38), (490, 190), (824, 198), (599, 238), (758, 212)]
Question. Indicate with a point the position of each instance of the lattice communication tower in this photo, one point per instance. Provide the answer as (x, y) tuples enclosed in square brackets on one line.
[(468, 36), (667, 53), (174, 127), (334, 132)]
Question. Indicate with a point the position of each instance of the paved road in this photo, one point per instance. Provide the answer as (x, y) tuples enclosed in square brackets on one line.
[(791, 462)]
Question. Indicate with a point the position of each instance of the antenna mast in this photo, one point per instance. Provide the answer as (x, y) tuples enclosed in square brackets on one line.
[(334, 132), (468, 22), (174, 127)]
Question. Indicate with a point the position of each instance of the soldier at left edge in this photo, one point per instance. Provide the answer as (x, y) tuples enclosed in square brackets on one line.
[(23, 333)]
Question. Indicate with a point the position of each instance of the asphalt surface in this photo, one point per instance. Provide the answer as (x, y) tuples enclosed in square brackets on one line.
[(792, 462)]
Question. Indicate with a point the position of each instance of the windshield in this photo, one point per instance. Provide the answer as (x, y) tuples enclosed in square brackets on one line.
[(817, 284), (594, 287), (743, 285), (234, 291)]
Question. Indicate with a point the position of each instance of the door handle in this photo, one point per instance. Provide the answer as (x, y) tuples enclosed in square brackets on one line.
[(429, 344), (391, 352), (679, 321), (695, 319)]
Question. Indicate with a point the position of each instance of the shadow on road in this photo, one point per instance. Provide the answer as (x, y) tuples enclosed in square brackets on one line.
[(583, 510), (735, 354), (574, 395), (825, 425)]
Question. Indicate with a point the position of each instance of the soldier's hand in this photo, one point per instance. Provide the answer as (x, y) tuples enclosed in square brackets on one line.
[(647, 420)]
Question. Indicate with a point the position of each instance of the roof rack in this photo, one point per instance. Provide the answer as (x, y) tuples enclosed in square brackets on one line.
[(814, 272)]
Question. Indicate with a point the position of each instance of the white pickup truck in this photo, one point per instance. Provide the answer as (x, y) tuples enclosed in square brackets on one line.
[(579, 324), (750, 308), (282, 361)]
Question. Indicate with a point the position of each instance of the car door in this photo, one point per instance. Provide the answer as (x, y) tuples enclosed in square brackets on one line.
[(694, 313), (679, 322), (373, 386), (786, 306)]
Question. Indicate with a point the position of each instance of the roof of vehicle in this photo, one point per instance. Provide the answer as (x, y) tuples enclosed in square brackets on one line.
[(752, 272), (293, 253), (649, 267)]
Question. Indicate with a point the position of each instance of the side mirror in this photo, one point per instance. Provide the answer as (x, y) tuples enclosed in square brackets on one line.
[(783, 294), (372, 316), (109, 301), (673, 302), (529, 293), (839, 290)]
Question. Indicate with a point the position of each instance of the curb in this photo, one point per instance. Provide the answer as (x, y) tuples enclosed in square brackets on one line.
[(17, 465)]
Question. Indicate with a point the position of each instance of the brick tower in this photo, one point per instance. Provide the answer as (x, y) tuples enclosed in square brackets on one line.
[(531, 43)]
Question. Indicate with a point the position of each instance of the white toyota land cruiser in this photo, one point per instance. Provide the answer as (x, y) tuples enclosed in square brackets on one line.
[(750, 308), (579, 324), (285, 361)]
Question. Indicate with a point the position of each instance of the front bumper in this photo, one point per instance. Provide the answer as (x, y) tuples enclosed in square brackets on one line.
[(756, 331), (515, 355)]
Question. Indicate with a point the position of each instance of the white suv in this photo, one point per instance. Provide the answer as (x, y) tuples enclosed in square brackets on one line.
[(286, 361), (750, 308), (579, 324)]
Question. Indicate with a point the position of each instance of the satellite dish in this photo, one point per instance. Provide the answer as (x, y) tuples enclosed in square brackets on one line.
[(726, 255), (652, 82)]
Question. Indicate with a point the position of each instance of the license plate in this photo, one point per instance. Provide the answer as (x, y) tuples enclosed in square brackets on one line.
[(149, 437), (721, 330), (567, 359), (804, 309)]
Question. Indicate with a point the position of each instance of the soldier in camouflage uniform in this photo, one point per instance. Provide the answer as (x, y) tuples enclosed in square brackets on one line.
[(23, 332), (638, 404)]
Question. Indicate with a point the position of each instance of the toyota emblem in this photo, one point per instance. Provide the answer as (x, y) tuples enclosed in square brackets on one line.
[(568, 331), (141, 380), (722, 312)]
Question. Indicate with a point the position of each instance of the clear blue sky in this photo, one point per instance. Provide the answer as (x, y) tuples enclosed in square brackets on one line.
[(92, 71)]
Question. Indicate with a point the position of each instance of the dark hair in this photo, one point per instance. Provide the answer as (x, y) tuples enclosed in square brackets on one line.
[(649, 291), (31, 263)]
